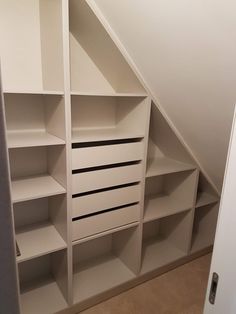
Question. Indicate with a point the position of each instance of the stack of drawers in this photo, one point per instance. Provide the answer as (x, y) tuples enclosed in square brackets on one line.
[(105, 185)]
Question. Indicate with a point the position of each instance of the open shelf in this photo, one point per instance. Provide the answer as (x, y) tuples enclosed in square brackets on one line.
[(40, 281), (108, 94), (37, 240), (104, 263), (204, 198), (91, 48), (163, 165), (96, 118), (35, 92), (204, 227), (37, 172), (165, 241), (32, 52), (169, 194), (34, 120)]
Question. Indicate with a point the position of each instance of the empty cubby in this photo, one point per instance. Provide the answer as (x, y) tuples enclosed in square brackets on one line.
[(165, 240), (32, 52), (205, 193), (43, 284), (40, 226), (97, 118), (165, 151), (37, 172), (34, 120), (169, 194), (105, 263), (204, 226), (93, 70)]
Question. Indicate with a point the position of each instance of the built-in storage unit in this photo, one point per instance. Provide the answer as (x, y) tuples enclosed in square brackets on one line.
[(104, 193)]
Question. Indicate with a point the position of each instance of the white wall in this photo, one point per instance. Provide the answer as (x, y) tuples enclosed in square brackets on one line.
[(186, 52)]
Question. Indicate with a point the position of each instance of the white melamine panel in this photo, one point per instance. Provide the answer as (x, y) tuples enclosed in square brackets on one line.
[(94, 180), (104, 155), (91, 203), (38, 239), (101, 222), (35, 187)]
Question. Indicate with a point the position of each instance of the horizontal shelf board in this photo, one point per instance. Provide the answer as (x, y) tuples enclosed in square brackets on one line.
[(17, 139), (158, 252), (163, 165), (108, 94), (99, 275), (42, 296), (106, 134), (35, 92), (159, 206), (200, 241), (101, 234), (34, 187), (204, 199), (37, 240)]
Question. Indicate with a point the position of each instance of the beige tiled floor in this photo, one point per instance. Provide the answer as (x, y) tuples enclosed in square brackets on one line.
[(181, 291)]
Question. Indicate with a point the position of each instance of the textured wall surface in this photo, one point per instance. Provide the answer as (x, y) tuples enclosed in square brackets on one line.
[(185, 51)]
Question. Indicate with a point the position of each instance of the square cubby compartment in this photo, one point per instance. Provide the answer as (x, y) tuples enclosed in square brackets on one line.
[(37, 172), (169, 194), (43, 284), (41, 226), (34, 120), (98, 118), (105, 263), (165, 241), (204, 226)]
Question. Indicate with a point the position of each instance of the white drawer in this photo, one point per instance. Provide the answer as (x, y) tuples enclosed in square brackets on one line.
[(91, 203), (105, 155), (98, 179), (102, 222)]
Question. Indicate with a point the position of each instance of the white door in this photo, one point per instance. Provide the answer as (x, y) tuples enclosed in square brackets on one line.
[(224, 254)]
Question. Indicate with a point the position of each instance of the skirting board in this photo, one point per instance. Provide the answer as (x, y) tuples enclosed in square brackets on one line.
[(131, 284)]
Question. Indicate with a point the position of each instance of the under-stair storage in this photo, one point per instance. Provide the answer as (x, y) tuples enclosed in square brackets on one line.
[(105, 263), (204, 226), (37, 172), (32, 49), (34, 120), (107, 118), (165, 241), (169, 194), (43, 284)]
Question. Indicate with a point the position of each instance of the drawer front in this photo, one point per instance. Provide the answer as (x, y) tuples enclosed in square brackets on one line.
[(102, 222), (105, 155), (94, 180), (92, 203)]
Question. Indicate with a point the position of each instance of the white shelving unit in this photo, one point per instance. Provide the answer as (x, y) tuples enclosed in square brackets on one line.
[(104, 193)]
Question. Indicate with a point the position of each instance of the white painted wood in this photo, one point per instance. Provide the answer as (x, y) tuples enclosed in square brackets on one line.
[(163, 165), (96, 202), (105, 155), (35, 187), (101, 222), (224, 257), (112, 94), (94, 180), (38, 239)]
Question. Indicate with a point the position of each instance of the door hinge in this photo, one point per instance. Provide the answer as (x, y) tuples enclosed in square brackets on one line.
[(214, 284)]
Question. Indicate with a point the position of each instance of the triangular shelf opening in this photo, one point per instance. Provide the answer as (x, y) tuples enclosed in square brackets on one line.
[(97, 65), (205, 193)]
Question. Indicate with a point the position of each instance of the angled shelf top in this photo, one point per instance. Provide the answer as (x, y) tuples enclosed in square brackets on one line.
[(106, 134), (163, 165), (34, 187), (204, 198), (17, 139), (159, 206), (99, 275), (108, 94), (37, 240), (34, 92)]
